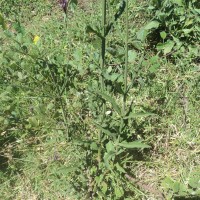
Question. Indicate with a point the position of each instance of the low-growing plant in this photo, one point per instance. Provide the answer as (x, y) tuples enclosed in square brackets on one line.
[(187, 188), (174, 28)]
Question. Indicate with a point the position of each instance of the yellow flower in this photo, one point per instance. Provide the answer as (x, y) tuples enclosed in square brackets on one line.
[(36, 39)]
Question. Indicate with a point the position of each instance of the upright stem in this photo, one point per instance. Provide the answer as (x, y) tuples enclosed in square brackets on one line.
[(103, 50), (103, 42), (126, 61)]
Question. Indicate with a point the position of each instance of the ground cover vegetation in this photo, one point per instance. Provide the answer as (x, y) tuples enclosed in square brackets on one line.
[(100, 101)]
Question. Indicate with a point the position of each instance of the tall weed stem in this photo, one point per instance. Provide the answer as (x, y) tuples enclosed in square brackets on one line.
[(126, 61), (103, 50)]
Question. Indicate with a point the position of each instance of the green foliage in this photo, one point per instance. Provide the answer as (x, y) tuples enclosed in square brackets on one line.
[(2, 22), (105, 169), (175, 26), (190, 187)]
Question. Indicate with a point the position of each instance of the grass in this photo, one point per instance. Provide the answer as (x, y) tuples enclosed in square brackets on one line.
[(44, 155)]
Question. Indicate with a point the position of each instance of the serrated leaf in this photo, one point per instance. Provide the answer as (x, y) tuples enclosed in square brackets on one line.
[(19, 28), (119, 168), (132, 56), (132, 145), (166, 47), (110, 147), (113, 77), (108, 98), (142, 34), (154, 68), (137, 44), (154, 59), (89, 29), (151, 25)]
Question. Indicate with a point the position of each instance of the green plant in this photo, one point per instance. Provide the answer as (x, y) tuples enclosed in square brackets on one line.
[(190, 186), (174, 28), (105, 169)]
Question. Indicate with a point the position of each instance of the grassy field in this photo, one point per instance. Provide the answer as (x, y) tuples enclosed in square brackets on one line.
[(100, 103)]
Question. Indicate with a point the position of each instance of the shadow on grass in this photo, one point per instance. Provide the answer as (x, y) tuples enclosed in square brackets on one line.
[(3, 164)]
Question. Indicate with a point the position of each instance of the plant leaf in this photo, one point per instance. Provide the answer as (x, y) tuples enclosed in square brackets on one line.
[(182, 190), (94, 146), (2, 22), (168, 183), (110, 147), (119, 168), (178, 2), (154, 68), (119, 192), (89, 29), (107, 157), (194, 180), (107, 132), (132, 145), (166, 47), (132, 56), (110, 100), (163, 35), (140, 114), (151, 25), (104, 187), (176, 187), (142, 34)]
